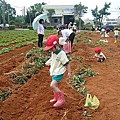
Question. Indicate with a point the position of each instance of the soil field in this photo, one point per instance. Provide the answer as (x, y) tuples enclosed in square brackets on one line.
[(31, 100)]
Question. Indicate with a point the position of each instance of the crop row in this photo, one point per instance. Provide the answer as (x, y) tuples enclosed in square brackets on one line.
[(16, 39)]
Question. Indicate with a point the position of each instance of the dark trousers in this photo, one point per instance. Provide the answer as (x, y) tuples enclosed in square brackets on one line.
[(71, 38), (40, 40)]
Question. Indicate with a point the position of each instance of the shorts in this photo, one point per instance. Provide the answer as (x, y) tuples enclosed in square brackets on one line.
[(102, 32), (116, 36), (58, 78)]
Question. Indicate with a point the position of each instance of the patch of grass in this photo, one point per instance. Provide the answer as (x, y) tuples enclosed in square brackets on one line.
[(4, 95)]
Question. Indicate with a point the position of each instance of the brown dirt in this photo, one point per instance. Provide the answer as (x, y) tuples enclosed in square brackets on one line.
[(31, 101)]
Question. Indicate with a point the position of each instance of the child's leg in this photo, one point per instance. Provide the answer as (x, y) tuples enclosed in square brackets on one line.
[(54, 86), (115, 40)]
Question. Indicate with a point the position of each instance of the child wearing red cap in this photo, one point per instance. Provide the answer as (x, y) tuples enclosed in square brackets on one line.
[(57, 63), (99, 55)]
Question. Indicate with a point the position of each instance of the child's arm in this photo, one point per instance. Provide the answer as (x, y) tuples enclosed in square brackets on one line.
[(48, 62), (96, 56), (69, 70)]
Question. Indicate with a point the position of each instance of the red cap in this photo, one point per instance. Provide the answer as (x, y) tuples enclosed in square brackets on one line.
[(98, 50), (51, 41)]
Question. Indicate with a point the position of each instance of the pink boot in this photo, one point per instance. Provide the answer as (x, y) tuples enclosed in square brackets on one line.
[(55, 97), (60, 100)]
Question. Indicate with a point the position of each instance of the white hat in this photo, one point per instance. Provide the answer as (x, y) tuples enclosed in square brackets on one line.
[(62, 41)]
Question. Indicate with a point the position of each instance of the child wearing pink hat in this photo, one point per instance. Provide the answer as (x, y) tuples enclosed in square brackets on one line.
[(58, 63)]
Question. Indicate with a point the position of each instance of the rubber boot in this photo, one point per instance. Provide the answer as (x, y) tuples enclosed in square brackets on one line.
[(115, 41), (60, 100), (55, 97)]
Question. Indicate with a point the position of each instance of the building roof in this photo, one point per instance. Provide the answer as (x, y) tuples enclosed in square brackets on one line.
[(60, 9)]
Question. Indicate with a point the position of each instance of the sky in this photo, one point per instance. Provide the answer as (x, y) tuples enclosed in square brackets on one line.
[(91, 4)]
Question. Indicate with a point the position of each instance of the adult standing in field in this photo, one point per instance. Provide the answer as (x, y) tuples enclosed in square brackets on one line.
[(40, 31), (68, 35)]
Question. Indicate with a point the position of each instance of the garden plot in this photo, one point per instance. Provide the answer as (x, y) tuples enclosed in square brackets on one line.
[(30, 100)]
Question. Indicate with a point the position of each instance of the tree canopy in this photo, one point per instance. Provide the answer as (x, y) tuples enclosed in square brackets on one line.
[(50, 13), (100, 14), (79, 11), (9, 12)]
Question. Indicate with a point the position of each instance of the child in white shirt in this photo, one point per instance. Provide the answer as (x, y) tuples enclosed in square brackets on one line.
[(99, 55), (58, 63)]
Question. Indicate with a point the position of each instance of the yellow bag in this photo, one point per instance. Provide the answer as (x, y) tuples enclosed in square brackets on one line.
[(92, 103)]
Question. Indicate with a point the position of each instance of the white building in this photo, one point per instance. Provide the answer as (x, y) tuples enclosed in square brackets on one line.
[(63, 13), (113, 22)]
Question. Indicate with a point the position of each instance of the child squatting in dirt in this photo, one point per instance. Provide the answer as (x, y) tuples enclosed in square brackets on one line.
[(57, 63), (99, 55)]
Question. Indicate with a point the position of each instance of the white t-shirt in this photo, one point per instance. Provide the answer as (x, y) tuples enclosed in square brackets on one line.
[(100, 55), (40, 29), (66, 33), (57, 63), (116, 32)]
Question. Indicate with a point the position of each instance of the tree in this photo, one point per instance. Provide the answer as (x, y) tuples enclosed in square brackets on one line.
[(10, 13), (7, 13), (99, 15), (79, 11), (0, 11), (50, 13), (34, 11)]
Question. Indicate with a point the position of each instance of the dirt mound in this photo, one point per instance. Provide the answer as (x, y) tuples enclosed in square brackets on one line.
[(31, 100)]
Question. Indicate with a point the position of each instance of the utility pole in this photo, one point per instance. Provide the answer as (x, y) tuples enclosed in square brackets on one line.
[(3, 9), (8, 14), (23, 14), (96, 15)]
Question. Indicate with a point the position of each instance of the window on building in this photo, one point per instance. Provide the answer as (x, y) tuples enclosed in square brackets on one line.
[(55, 20), (114, 22), (108, 23)]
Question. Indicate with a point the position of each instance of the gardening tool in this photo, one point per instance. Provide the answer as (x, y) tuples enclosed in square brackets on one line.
[(92, 103)]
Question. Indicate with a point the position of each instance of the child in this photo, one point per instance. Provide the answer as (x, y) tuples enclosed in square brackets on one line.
[(62, 41), (40, 31), (68, 35), (74, 27), (99, 55), (106, 36), (57, 63), (116, 33), (102, 32)]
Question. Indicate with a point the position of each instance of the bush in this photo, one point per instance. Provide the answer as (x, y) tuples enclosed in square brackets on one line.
[(30, 27), (119, 29), (12, 27), (24, 26), (50, 27)]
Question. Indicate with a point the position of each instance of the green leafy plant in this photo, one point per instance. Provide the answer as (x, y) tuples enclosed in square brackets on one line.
[(4, 95), (35, 60)]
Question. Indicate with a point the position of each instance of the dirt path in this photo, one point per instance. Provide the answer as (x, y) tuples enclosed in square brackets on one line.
[(31, 101)]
